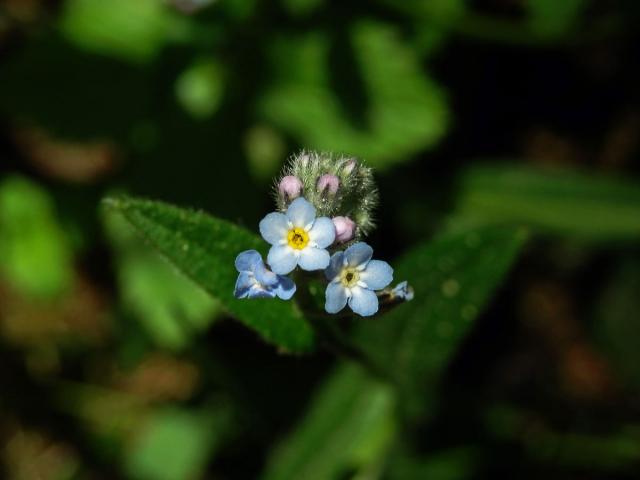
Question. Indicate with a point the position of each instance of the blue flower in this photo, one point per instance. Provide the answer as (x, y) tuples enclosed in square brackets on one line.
[(402, 291), (353, 278), (298, 238), (256, 281)]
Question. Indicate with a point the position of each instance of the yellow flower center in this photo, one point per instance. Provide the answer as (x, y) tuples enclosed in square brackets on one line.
[(297, 238), (349, 277)]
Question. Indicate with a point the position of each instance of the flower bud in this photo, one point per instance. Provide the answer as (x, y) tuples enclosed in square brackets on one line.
[(290, 187), (329, 183), (350, 166), (345, 229)]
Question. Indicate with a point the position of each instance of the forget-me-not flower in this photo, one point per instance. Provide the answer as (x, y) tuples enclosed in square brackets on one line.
[(353, 278), (403, 291), (297, 238), (256, 281)]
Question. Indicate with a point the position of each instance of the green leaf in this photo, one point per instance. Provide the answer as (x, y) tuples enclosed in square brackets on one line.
[(35, 252), (454, 464), (301, 7), (553, 201), (453, 277), (169, 305), (175, 445), (404, 112), (550, 18), (348, 426), (200, 88), (129, 30), (617, 323), (204, 248)]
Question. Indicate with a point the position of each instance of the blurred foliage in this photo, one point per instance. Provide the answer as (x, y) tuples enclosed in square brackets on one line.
[(171, 307), (568, 203), (405, 111), (37, 257), (504, 137), (203, 248)]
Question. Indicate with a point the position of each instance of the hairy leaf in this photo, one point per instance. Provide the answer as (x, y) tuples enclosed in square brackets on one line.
[(453, 277), (204, 248)]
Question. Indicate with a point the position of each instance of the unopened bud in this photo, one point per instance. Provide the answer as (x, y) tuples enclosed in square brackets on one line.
[(328, 182), (345, 229), (350, 166), (290, 187)]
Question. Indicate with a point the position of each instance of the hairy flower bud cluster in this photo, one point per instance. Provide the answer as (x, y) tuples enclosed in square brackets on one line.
[(325, 204), (341, 188)]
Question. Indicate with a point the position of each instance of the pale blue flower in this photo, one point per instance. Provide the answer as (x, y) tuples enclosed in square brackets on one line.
[(298, 238), (256, 281), (353, 278), (403, 291)]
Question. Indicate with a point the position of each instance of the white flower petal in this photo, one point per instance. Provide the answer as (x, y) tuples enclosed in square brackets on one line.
[(274, 227), (313, 259), (323, 232), (336, 298), (377, 275), (363, 301), (282, 259), (301, 213)]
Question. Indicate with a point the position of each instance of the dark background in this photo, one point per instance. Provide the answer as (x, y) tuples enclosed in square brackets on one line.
[(470, 112)]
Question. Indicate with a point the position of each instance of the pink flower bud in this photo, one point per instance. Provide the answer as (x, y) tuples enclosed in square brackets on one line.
[(290, 187), (329, 183), (345, 229)]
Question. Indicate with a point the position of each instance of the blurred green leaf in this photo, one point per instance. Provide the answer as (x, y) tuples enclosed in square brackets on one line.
[(615, 450), (405, 109), (129, 30), (454, 276), (454, 464), (557, 201), (301, 7), (35, 252), (169, 305), (204, 248), (200, 88), (617, 323), (550, 18), (348, 425), (265, 148), (174, 445)]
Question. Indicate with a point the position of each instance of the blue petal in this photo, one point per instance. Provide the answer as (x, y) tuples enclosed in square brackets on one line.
[(363, 301), (377, 275), (403, 291), (286, 288), (243, 284), (301, 213), (265, 276), (274, 227), (314, 259), (282, 259), (336, 297), (358, 254), (323, 232), (247, 260), (258, 292), (335, 266)]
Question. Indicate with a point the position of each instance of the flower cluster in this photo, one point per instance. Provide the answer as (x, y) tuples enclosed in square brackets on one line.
[(325, 206)]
